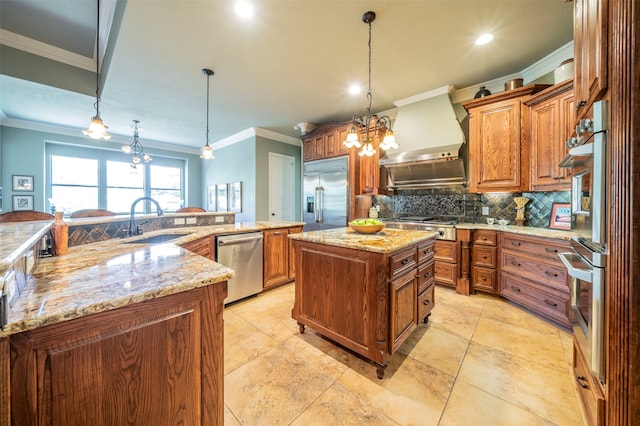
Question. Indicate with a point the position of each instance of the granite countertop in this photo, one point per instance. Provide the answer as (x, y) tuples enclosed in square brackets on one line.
[(110, 274), (17, 237), (385, 241), (523, 230)]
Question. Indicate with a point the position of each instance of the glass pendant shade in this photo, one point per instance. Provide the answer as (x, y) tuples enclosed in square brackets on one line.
[(136, 148), (352, 138), (389, 141), (97, 129), (207, 153), (367, 150)]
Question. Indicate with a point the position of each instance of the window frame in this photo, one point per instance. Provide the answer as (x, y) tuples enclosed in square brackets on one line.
[(102, 156)]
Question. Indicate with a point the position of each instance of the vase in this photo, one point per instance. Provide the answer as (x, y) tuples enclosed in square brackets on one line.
[(59, 235)]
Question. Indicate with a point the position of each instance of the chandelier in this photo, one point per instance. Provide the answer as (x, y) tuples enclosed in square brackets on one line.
[(97, 129), (207, 152), (379, 124), (135, 147)]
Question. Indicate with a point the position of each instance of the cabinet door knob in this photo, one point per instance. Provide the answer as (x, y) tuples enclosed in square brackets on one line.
[(484, 238), (484, 278), (581, 381), (514, 263), (427, 301), (484, 257)]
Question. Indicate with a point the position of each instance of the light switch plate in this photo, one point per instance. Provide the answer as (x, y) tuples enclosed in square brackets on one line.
[(485, 211), (191, 221), (178, 221)]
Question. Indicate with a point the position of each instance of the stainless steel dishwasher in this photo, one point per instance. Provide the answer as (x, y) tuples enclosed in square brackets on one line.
[(243, 254)]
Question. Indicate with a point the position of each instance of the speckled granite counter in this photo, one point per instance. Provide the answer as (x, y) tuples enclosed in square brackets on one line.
[(385, 241), (110, 274), (523, 230), (16, 237)]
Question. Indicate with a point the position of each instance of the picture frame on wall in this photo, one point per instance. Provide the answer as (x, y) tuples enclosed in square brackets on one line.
[(221, 197), (560, 216), (211, 198), (23, 183), (235, 197), (22, 202), (0, 198)]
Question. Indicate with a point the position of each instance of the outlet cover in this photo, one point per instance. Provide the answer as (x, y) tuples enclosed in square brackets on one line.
[(178, 221), (219, 219), (485, 211), (191, 221)]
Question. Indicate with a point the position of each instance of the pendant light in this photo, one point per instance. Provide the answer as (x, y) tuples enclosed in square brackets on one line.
[(206, 152), (97, 129), (379, 124), (136, 147)]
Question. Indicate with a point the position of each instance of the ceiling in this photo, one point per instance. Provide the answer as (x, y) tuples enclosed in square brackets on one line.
[(291, 63)]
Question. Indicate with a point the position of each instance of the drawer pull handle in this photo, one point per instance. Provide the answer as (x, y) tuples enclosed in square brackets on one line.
[(515, 288), (484, 238), (581, 381), (426, 302), (550, 250), (484, 257), (427, 274), (484, 278), (550, 274), (277, 233), (550, 303), (515, 243), (426, 251), (405, 261), (514, 263)]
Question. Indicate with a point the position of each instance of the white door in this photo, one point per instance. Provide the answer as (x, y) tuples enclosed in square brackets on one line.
[(282, 193)]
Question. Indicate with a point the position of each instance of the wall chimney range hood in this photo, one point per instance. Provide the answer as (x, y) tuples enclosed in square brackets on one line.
[(431, 141)]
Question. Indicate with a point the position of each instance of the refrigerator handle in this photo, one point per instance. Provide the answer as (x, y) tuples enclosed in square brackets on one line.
[(319, 204)]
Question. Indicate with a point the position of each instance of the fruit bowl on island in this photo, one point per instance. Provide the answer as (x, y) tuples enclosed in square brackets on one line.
[(366, 226)]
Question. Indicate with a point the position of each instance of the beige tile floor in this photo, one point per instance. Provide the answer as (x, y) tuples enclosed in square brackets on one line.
[(479, 361)]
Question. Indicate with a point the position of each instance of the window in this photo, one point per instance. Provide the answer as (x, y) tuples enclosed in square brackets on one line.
[(86, 178)]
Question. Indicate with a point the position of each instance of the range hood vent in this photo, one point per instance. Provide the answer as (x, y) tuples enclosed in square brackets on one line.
[(431, 141)]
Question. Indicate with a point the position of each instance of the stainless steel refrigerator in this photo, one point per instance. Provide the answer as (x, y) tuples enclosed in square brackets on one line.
[(325, 197)]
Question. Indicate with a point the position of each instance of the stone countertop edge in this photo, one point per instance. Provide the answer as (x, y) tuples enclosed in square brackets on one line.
[(523, 230), (110, 274), (17, 237), (75, 221), (385, 241)]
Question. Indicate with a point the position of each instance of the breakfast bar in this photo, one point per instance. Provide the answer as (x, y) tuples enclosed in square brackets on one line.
[(366, 292)]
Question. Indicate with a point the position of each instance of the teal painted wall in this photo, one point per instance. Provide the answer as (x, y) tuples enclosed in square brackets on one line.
[(22, 152), (263, 147), (234, 163)]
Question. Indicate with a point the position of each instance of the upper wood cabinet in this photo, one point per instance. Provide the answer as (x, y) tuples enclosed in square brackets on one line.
[(325, 142), (552, 116), (498, 141), (589, 53)]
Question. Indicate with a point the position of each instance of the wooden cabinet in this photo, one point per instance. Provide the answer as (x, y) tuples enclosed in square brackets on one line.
[(498, 141), (374, 180), (552, 118), (484, 250), (204, 246), (532, 275), (154, 362), (588, 389), (366, 301), (325, 142), (278, 267), (589, 53), (446, 263)]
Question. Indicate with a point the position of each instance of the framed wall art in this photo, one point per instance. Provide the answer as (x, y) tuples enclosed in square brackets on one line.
[(235, 197), (560, 216), (22, 183), (221, 197), (211, 198), (22, 202)]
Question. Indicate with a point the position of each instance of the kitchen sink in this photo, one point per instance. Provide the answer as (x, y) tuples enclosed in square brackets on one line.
[(163, 238)]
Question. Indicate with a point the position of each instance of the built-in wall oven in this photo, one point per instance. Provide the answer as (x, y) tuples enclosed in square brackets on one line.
[(586, 264)]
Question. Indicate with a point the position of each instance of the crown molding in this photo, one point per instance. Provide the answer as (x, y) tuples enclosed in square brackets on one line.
[(275, 136), (253, 132), (444, 90)]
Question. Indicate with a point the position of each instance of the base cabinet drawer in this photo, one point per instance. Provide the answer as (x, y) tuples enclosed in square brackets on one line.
[(446, 273), (546, 301), (485, 279), (589, 391), (484, 256), (425, 303), (425, 276)]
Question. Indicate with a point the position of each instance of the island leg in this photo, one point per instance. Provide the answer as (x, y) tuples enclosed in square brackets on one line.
[(301, 327), (380, 371)]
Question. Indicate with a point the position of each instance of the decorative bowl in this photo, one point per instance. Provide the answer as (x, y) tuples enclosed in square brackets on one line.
[(503, 222), (367, 229)]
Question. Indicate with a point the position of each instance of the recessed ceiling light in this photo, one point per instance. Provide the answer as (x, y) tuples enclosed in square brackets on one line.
[(354, 89), (244, 9), (484, 39)]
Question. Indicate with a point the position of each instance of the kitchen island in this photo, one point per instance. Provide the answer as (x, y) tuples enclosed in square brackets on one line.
[(114, 333), (366, 292)]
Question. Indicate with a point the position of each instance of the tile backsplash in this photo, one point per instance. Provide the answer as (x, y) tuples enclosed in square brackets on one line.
[(467, 207)]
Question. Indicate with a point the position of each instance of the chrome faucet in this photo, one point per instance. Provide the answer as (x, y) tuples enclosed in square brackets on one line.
[(137, 230)]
